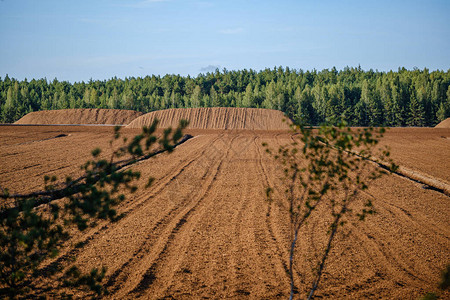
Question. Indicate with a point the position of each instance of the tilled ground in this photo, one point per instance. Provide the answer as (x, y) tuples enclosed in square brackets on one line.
[(205, 229)]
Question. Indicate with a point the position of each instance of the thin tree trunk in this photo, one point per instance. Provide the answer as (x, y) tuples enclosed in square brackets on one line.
[(327, 251), (291, 264)]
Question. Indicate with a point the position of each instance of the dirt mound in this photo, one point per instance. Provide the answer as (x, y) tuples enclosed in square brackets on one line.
[(216, 118), (80, 116), (444, 124)]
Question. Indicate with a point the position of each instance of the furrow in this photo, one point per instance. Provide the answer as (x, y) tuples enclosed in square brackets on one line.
[(163, 244), (274, 238), (131, 205)]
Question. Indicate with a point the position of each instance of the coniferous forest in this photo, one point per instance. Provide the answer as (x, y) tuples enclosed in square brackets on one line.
[(361, 98)]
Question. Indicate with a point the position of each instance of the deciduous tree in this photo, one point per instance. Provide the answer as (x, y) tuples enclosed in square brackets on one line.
[(327, 168), (34, 226)]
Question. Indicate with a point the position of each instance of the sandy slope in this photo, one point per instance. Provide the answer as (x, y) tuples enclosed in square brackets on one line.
[(80, 116), (216, 118), (204, 229), (444, 124)]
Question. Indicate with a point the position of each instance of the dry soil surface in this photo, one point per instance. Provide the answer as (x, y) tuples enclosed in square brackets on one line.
[(426, 150), (204, 229), (444, 124), (80, 116), (216, 118)]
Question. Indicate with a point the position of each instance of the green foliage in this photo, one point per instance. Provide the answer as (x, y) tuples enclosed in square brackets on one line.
[(328, 167), (74, 278), (445, 280), (361, 98), (34, 226), (443, 285), (416, 113), (430, 296)]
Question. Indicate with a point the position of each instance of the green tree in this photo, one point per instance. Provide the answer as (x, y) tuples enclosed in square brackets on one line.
[(360, 114), (269, 100), (196, 97), (305, 111), (128, 99), (416, 112), (86, 97), (72, 100), (62, 101), (9, 108), (443, 111), (215, 102), (372, 103), (93, 98), (175, 100), (320, 94), (335, 106), (113, 100), (248, 100), (385, 97), (34, 226), (327, 168)]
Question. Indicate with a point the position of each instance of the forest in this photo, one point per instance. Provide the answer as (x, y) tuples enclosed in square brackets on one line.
[(360, 98)]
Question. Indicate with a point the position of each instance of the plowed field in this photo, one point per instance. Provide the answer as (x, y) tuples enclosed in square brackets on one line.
[(205, 230)]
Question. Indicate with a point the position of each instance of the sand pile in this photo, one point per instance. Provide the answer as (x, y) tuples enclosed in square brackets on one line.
[(444, 124), (80, 116), (216, 118)]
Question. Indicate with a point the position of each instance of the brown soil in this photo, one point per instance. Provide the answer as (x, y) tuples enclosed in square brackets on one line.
[(424, 150), (80, 116), (444, 124), (205, 230), (216, 118)]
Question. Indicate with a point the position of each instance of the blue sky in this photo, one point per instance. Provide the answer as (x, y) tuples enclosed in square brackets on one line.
[(100, 39)]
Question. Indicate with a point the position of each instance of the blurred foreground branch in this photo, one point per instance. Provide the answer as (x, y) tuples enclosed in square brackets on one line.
[(34, 226)]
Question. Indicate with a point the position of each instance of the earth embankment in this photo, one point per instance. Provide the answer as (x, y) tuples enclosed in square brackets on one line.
[(444, 124), (80, 116), (216, 118)]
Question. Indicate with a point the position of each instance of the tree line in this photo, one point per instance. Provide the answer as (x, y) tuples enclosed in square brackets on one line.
[(360, 98)]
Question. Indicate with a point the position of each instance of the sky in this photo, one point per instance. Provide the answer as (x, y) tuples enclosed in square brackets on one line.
[(80, 40)]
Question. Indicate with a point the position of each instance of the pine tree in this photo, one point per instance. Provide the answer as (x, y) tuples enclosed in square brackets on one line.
[(444, 110), (360, 114), (9, 98), (386, 96), (247, 100), (72, 100), (269, 100), (173, 99), (62, 101), (335, 104), (94, 99), (86, 98), (397, 112), (305, 111), (215, 102), (128, 99), (113, 100), (416, 112), (196, 97)]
